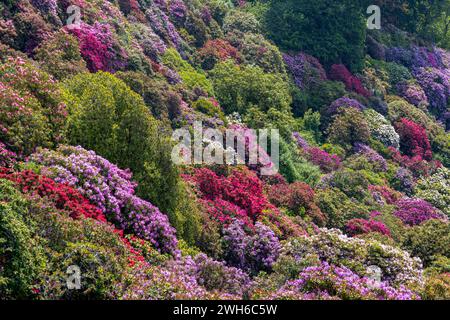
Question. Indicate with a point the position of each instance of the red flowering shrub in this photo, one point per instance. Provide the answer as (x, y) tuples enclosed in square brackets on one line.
[(416, 164), (63, 196), (356, 227), (215, 51), (413, 139), (241, 188), (225, 212), (298, 197), (339, 72)]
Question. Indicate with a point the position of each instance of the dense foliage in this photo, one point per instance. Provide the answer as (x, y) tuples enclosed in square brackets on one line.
[(359, 205)]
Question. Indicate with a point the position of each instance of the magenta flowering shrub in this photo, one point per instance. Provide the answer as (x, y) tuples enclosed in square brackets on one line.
[(7, 158), (99, 48), (327, 162), (339, 72), (327, 281), (356, 227), (111, 190), (415, 211), (214, 275), (251, 252)]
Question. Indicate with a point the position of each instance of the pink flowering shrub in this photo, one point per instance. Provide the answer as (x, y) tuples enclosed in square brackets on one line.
[(7, 158), (31, 113), (99, 48), (356, 227), (339, 72), (415, 211), (327, 162)]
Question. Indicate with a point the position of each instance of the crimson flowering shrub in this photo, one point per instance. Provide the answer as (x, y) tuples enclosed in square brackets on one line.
[(251, 252), (241, 188), (111, 190), (339, 72), (329, 282), (99, 48), (356, 227), (416, 165), (415, 211), (63, 196), (413, 139), (215, 51), (225, 212)]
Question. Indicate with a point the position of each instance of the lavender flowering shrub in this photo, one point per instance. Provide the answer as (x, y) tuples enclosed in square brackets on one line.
[(250, 252), (332, 246), (327, 281), (110, 189)]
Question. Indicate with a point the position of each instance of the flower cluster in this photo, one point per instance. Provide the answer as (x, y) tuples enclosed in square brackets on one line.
[(381, 129), (415, 211), (305, 69), (241, 188), (327, 281), (362, 226), (99, 48), (111, 190), (251, 252), (339, 72), (413, 139), (7, 158), (63, 196)]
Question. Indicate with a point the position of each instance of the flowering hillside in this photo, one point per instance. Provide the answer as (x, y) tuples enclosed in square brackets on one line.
[(353, 202)]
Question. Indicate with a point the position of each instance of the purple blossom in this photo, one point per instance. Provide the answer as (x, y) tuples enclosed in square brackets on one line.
[(415, 211), (111, 190)]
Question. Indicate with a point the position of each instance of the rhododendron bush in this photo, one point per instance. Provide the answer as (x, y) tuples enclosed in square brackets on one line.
[(355, 207)]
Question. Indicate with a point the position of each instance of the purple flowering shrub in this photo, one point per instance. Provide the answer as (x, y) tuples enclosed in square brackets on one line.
[(326, 282), (398, 268), (306, 70), (415, 211), (7, 157), (110, 189), (436, 84), (251, 252)]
